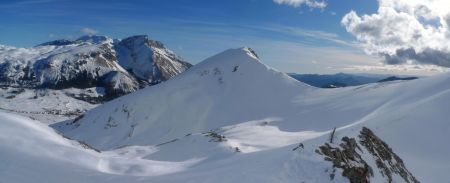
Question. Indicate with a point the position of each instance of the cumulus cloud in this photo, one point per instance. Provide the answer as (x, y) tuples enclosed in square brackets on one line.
[(297, 3), (405, 31), (88, 30)]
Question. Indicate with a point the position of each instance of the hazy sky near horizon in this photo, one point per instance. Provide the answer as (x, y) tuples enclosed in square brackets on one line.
[(303, 36)]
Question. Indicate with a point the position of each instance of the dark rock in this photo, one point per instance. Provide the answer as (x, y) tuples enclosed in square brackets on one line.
[(348, 157), (387, 161), (395, 78)]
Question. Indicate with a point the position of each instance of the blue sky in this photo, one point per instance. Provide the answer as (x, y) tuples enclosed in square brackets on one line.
[(289, 38)]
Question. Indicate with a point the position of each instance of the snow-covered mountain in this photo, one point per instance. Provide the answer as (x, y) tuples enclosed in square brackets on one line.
[(135, 53), (215, 87), (233, 119), (98, 67), (90, 61)]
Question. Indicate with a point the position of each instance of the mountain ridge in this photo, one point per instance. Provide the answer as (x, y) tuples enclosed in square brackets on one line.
[(83, 62)]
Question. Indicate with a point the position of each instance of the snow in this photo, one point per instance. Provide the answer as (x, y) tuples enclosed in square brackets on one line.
[(46, 105), (24, 54), (233, 119), (247, 136), (120, 80), (136, 56), (27, 147)]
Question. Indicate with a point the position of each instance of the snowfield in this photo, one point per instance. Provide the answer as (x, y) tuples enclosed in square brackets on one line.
[(233, 119), (33, 152), (46, 105), (28, 146)]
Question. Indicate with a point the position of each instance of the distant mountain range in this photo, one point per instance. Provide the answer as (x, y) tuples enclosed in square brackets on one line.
[(395, 78), (343, 79)]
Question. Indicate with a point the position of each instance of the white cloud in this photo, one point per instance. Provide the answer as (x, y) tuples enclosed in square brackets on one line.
[(88, 30), (405, 31), (297, 3)]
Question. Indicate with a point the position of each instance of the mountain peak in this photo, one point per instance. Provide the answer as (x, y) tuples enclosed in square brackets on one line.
[(232, 58), (149, 60), (94, 39), (250, 51), (143, 39), (140, 38)]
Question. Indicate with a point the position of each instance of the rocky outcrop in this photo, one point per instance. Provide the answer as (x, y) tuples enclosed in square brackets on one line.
[(353, 158), (388, 163)]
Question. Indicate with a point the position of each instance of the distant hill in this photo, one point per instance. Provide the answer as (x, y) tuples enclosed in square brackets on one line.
[(395, 78), (336, 80), (340, 80)]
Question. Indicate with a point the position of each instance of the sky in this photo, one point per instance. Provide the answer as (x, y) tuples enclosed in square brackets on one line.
[(302, 36)]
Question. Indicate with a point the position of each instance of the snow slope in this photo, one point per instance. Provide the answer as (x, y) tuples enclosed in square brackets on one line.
[(33, 152), (261, 113), (46, 105)]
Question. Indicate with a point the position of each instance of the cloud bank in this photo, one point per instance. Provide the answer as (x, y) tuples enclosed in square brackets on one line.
[(297, 3), (405, 31)]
